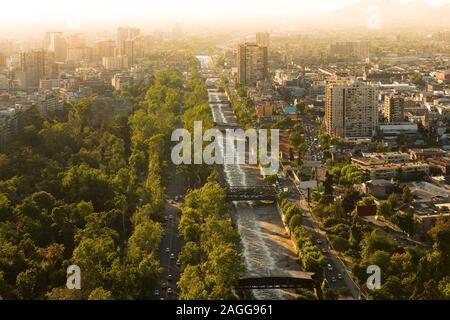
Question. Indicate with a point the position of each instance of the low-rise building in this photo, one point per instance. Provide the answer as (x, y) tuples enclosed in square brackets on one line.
[(379, 188), (396, 129), (428, 153), (442, 164), (376, 168), (9, 125), (393, 157), (424, 222)]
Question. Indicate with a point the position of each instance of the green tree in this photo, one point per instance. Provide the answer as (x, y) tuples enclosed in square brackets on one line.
[(100, 294)]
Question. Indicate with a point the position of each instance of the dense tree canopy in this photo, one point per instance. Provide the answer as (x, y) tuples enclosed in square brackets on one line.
[(76, 192)]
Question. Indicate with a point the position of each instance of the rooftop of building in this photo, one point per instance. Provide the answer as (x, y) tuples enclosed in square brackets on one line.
[(387, 166), (289, 109), (427, 150)]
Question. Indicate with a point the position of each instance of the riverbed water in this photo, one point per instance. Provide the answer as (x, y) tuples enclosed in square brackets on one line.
[(266, 247)]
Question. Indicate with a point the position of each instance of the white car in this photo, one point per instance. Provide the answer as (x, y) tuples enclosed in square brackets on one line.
[(329, 267), (172, 256)]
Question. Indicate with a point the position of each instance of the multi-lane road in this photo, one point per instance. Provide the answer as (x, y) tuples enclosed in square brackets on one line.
[(171, 242), (336, 272)]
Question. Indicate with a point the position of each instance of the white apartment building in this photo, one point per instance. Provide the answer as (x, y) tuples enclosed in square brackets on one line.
[(351, 109), (115, 63)]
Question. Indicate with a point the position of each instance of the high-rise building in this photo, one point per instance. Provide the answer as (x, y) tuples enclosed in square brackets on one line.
[(263, 39), (37, 65), (133, 32), (139, 43), (133, 49), (76, 40), (126, 33), (122, 35), (394, 108), (115, 63), (76, 55), (252, 62), (350, 109), (55, 42), (128, 50), (103, 48)]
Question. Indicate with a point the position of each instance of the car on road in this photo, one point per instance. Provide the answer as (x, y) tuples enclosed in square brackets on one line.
[(176, 198), (163, 285), (169, 291), (156, 292), (324, 250), (329, 267), (319, 241), (178, 263), (333, 279), (169, 277), (339, 276), (170, 217), (167, 250), (172, 256)]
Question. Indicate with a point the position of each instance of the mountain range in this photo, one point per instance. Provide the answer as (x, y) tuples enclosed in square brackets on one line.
[(388, 13)]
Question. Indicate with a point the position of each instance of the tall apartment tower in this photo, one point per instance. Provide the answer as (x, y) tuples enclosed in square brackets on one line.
[(128, 50), (55, 42), (252, 62), (36, 65), (126, 33), (103, 48), (394, 108), (350, 109), (263, 39)]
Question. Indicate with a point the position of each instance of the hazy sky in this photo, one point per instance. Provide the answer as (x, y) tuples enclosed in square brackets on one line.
[(72, 14)]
